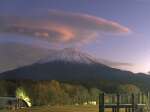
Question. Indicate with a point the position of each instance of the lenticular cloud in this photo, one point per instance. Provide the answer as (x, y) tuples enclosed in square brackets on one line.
[(61, 27)]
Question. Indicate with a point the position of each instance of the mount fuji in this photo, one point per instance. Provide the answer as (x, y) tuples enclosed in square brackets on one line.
[(67, 60), (73, 65)]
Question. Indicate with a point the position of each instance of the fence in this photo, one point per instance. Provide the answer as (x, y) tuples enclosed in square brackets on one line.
[(129, 102)]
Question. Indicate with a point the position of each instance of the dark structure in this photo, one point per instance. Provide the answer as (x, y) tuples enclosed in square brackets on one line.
[(127, 102), (12, 103)]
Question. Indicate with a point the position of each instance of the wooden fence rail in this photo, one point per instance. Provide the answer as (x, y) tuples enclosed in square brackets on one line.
[(128, 102)]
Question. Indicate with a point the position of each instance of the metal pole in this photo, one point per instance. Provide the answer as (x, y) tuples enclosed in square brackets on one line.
[(101, 102)]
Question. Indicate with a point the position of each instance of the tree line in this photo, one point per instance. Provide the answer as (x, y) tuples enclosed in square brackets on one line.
[(58, 93)]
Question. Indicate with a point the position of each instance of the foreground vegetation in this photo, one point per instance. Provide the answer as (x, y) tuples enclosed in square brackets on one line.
[(57, 93)]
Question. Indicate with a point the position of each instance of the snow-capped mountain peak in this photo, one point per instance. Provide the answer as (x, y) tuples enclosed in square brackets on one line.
[(68, 55)]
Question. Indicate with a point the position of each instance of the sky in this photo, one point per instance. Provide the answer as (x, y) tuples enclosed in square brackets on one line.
[(113, 31)]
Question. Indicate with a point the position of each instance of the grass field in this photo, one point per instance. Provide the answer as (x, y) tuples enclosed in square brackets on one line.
[(57, 109), (61, 109)]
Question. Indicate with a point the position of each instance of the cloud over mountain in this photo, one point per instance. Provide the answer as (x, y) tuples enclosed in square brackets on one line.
[(115, 64), (61, 27), (25, 39), (15, 55)]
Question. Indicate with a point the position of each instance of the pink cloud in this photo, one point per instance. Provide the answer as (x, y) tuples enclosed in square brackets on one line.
[(62, 27)]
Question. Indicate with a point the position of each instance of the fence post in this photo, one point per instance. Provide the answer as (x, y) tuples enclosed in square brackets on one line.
[(142, 98), (148, 96), (133, 103), (118, 102), (101, 102), (139, 98)]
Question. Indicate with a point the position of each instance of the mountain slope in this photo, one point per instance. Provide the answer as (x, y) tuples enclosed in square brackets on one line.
[(72, 65)]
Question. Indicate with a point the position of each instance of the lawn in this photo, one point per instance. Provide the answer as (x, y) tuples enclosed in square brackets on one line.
[(58, 109)]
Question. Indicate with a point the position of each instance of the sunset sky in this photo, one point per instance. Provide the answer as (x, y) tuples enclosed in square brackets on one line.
[(115, 31)]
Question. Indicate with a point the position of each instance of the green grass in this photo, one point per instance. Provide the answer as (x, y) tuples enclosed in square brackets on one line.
[(57, 109), (4, 111), (60, 109)]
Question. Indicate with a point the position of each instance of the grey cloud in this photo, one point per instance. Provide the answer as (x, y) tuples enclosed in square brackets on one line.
[(115, 64)]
